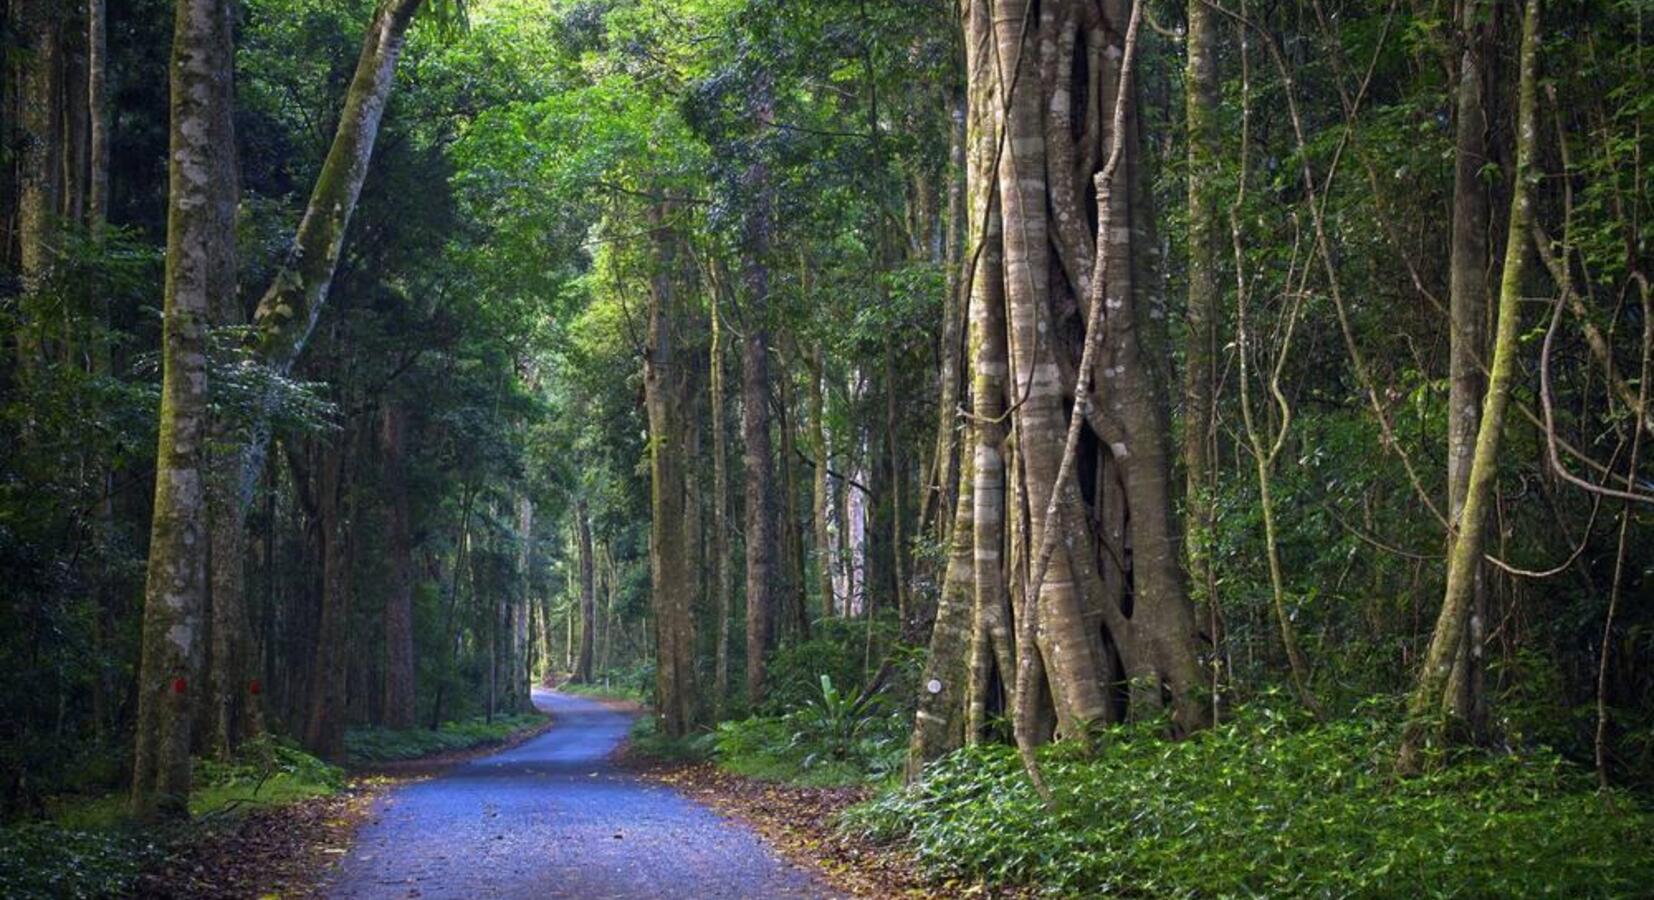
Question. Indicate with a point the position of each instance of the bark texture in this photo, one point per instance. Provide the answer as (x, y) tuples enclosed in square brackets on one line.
[(1467, 338), (759, 454), (176, 587), (1080, 593), (670, 569)]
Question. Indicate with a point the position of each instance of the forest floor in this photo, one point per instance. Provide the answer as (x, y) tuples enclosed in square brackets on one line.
[(555, 817)]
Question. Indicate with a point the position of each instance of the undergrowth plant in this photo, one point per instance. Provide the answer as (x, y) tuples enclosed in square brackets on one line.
[(1267, 805)]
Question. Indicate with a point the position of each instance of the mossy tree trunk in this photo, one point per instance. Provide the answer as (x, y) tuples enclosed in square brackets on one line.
[(1467, 338), (198, 247), (1200, 374), (1429, 699)]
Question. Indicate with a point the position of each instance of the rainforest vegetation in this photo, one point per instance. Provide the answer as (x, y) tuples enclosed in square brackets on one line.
[(1146, 447)]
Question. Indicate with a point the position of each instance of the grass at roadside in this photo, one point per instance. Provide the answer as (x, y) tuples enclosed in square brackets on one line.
[(371, 746), (611, 690)]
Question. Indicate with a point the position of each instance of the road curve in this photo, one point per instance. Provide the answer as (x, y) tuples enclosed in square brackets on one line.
[(554, 818)]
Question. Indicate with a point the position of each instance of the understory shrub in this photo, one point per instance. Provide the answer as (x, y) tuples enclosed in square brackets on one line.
[(88, 847), (1263, 806), (43, 859), (830, 738)]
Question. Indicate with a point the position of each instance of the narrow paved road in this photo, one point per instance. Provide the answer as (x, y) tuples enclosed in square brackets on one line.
[(553, 817)]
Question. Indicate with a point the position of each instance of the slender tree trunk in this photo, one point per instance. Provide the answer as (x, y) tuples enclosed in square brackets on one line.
[(822, 499), (1467, 310), (39, 164), (588, 596), (720, 515), (324, 729), (399, 702), (945, 689), (1446, 643), (610, 588), (1200, 375), (97, 103), (176, 588), (450, 633), (755, 414), (936, 504), (797, 611), (520, 672), (988, 360)]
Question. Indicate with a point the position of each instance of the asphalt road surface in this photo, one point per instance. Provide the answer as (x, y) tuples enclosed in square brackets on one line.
[(554, 818)]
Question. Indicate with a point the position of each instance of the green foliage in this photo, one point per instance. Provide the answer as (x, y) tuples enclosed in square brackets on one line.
[(43, 860), (837, 650), (367, 746), (1263, 806), (264, 762), (832, 738), (608, 689), (90, 848)]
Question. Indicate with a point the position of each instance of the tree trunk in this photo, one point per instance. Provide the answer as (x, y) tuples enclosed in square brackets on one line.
[(1065, 638), (324, 728), (39, 165), (720, 516), (1200, 375), (755, 414), (1428, 699), (821, 500), (672, 589), (795, 607), (1467, 310), (588, 596), (945, 687), (399, 704), (176, 587), (520, 671), (936, 504), (236, 703), (98, 112), (988, 356)]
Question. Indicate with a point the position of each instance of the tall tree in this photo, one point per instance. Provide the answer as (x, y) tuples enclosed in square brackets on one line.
[(672, 581), (758, 451), (1428, 701), (199, 251), (288, 311), (588, 595), (399, 699), (1200, 376), (1467, 339)]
